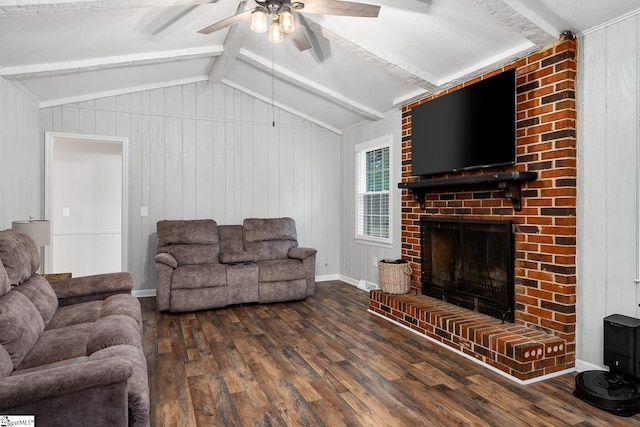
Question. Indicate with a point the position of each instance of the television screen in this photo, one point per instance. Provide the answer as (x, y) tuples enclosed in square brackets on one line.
[(472, 127)]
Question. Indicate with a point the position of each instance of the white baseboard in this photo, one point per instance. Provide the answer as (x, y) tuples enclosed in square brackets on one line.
[(327, 277), (144, 293), (363, 285), (582, 366), (348, 280)]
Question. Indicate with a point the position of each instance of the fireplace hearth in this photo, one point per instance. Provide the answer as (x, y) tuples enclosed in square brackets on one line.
[(469, 263)]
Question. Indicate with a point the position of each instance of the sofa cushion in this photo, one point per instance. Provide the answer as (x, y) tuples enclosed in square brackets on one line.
[(188, 232), (270, 250), (61, 363), (242, 283), (125, 304), (60, 344), (264, 229), (199, 276), (232, 244), (281, 269), (269, 238), (83, 339), (289, 290), (114, 330), (20, 325), (19, 255), (198, 299), (189, 241), (193, 254), (84, 312), (6, 365), (42, 295), (90, 311), (5, 284)]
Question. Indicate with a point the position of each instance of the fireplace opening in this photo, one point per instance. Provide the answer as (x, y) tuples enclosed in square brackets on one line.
[(469, 263)]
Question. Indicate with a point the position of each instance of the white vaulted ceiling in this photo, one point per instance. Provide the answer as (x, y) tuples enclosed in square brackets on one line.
[(67, 51)]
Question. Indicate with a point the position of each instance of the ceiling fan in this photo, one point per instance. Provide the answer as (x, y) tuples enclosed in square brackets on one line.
[(282, 20)]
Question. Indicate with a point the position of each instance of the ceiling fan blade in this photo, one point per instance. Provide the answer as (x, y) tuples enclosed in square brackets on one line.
[(227, 22), (341, 8), (300, 39), (180, 16)]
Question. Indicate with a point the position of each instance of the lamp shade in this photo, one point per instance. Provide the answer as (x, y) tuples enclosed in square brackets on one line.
[(287, 23), (275, 35), (38, 230), (259, 20)]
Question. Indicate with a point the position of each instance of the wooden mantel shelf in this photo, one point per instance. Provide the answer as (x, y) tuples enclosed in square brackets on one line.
[(510, 182)]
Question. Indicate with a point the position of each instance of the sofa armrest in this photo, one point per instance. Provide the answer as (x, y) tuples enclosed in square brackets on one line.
[(19, 390), (167, 259), (301, 253), (88, 288)]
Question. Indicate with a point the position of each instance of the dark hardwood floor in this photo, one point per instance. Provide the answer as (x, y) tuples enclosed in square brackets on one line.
[(325, 361)]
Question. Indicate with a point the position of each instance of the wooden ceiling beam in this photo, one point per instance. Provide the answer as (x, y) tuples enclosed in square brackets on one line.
[(308, 85), (384, 61), (95, 64), (34, 7), (522, 20), (232, 44), (536, 32)]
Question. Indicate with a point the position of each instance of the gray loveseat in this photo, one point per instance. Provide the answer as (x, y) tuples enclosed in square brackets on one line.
[(202, 265), (71, 350)]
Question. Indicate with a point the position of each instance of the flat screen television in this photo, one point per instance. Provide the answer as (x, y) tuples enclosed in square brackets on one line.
[(473, 127)]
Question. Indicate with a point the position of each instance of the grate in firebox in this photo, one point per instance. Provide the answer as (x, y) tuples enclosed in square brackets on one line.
[(469, 263)]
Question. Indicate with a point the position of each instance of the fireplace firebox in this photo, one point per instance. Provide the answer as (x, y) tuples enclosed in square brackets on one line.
[(469, 263)]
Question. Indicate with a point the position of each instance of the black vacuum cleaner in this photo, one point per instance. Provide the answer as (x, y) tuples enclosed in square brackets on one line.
[(618, 390)]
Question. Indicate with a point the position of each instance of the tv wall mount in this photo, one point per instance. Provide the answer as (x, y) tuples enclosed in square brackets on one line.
[(509, 182)]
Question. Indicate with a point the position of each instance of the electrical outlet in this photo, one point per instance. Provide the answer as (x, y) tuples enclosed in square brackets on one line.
[(375, 261), (144, 211)]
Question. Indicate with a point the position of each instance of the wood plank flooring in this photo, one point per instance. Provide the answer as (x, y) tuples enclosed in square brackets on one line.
[(325, 361)]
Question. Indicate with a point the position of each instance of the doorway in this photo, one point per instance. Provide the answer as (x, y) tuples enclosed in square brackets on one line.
[(86, 184)]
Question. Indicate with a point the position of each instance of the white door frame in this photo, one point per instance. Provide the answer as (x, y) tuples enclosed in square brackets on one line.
[(49, 145)]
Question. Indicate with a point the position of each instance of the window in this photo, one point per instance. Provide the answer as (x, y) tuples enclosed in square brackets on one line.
[(373, 173)]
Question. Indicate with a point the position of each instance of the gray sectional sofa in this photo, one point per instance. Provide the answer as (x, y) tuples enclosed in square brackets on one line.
[(71, 351), (202, 265)]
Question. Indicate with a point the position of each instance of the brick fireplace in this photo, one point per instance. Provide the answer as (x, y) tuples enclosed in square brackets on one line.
[(541, 341)]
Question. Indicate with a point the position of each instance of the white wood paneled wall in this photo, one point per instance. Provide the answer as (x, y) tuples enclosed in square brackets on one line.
[(608, 203), (21, 156), (357, 257), (205, 150)]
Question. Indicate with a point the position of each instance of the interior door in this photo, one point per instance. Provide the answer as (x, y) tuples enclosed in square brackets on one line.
[(85, 199)]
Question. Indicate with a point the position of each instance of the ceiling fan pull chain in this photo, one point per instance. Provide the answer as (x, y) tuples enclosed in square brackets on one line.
[(273, 90)]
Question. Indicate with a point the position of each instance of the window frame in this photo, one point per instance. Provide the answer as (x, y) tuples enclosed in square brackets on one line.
[(361, 150)]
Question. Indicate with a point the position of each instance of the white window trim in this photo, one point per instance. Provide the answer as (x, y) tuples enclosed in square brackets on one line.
[(374, 144)]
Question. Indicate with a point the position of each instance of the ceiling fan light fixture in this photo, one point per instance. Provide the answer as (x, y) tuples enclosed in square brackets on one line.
[(275, 35), (259, 20), (287, 23), (273, 6)]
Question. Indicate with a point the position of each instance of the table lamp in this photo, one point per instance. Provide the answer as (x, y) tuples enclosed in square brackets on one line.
[(38, 230)]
